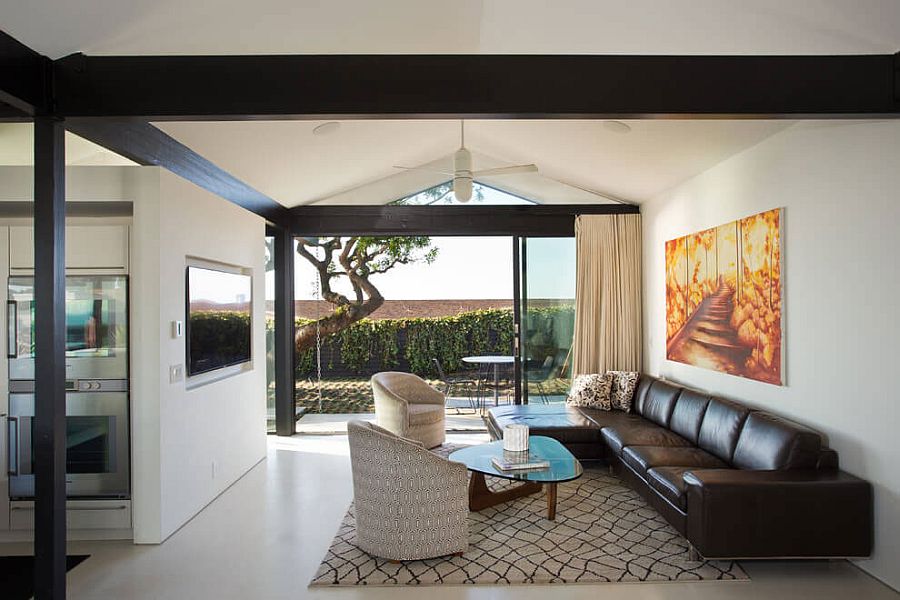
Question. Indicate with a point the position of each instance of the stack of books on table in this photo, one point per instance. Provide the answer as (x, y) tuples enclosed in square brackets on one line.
[(520, 461)]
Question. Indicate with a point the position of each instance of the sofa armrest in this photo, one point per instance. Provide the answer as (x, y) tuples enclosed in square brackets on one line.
[(735, 513)]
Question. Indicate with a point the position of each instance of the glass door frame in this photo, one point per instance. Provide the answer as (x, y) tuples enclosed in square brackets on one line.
[(519, 307), (520, 312)]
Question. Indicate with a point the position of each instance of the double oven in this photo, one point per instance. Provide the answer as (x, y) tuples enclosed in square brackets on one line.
[(97, 419)]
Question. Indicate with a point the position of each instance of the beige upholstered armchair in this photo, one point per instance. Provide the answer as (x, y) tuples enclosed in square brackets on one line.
[(407, 406), (410, 504)]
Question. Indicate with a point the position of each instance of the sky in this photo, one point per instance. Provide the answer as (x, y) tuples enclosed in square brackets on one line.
[(466, 268)]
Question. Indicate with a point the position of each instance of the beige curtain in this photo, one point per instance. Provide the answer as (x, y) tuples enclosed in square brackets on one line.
[(607, 294)]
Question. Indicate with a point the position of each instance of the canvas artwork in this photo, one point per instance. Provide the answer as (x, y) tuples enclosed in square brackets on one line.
[(723, 298)]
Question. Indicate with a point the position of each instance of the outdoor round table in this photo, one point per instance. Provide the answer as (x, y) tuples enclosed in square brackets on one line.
[(496, 361)]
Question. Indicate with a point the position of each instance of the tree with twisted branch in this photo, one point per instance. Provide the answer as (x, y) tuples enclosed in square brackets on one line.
[(357, 259)]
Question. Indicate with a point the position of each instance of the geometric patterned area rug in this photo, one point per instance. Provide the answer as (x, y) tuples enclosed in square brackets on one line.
[(603, 532)]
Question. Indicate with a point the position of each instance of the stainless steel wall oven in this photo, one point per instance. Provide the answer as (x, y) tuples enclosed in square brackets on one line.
[(97, 407)]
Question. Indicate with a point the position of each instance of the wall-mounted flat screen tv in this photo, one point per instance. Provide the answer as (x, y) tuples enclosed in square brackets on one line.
[(219, 309)]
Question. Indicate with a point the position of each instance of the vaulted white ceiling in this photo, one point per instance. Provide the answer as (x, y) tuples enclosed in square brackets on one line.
[(356, 163), (461, 26)]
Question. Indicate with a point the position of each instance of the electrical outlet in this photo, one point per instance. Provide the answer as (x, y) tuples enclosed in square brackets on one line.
[(176, 373)]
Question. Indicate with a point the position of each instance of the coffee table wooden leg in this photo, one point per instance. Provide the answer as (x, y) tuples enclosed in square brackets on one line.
[(480, 497), (551, 501)]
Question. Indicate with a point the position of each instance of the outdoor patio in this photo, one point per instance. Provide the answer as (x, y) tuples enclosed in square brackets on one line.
[(351, 398)]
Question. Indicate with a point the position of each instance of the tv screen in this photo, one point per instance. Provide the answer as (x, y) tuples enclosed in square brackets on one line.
[(219, 305)]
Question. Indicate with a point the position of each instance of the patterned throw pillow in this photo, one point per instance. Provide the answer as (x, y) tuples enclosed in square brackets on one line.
[(590, 391), (623, 385)]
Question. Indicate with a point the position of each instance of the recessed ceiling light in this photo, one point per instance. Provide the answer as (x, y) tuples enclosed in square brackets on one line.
[(617, 126), (326, 128)]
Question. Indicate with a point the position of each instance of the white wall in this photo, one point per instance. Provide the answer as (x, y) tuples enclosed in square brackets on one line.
[(180, 433), (839, 184)]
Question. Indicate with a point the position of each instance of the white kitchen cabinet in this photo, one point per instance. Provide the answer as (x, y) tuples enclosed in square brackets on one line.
[(87, 247)]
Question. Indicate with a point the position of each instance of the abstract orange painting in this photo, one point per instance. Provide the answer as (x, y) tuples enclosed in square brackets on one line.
[(723, 298)]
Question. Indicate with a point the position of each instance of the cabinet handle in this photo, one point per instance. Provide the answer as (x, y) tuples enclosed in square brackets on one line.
[(12, 329), (68, 508), (12, 424)]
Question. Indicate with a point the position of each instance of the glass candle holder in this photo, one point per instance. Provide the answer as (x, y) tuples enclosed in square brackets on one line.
[(515, 438)]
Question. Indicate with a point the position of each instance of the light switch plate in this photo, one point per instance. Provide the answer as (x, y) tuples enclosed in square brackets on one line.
[(176, 373)]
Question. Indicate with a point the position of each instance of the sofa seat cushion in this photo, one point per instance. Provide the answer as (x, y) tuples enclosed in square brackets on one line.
[(668, 482), (640, 433), (643, 458), (565, 424), (609, 418), (425, 414)]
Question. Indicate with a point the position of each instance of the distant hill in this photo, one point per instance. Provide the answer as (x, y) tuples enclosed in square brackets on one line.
[(409, 309), (400, 309)]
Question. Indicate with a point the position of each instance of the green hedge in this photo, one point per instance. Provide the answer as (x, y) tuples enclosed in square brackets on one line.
[(378, 345)]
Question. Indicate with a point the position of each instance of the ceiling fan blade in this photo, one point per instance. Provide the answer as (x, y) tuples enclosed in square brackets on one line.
[(506, 171), (424, 169)]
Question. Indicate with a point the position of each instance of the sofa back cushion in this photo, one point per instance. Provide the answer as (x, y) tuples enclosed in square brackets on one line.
[(688, 414), (659, 402), (640, 393), (721, 427), (769, 443)]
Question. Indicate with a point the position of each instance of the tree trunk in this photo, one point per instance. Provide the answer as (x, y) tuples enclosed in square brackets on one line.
[(342, 317)]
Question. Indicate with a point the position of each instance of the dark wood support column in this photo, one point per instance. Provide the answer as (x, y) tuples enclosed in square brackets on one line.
[(518, 299), (49, 436), (284, 331)]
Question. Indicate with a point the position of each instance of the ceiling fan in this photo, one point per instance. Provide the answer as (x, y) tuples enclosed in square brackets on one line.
[(463, 175)]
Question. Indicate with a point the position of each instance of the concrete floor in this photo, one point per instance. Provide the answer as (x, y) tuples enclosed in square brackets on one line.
[(264, 537), (460, 418)]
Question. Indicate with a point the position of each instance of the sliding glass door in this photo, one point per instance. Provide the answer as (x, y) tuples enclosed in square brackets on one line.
[(546, 317)]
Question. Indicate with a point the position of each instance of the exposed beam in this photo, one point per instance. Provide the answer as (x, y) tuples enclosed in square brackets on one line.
[(49, 435), (285, 412), (897, 77), (507, 86), (24, 77), (147, 145), (535, 221)]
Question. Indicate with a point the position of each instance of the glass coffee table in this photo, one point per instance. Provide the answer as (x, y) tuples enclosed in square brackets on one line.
[(563, 467)]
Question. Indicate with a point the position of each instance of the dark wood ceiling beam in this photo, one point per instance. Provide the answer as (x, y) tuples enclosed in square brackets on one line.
[(534, 221), (148, 145), (491, 86), (24, 79)]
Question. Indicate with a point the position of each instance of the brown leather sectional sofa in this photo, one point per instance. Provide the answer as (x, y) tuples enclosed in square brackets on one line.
[(736, 482)]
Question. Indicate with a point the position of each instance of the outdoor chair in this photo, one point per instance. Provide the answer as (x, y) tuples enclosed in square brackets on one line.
[(407, 406), (454, 383), (399, 488)]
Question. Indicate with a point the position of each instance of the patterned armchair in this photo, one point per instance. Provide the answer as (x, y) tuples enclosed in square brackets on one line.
[(410, 504), (407, 406)]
